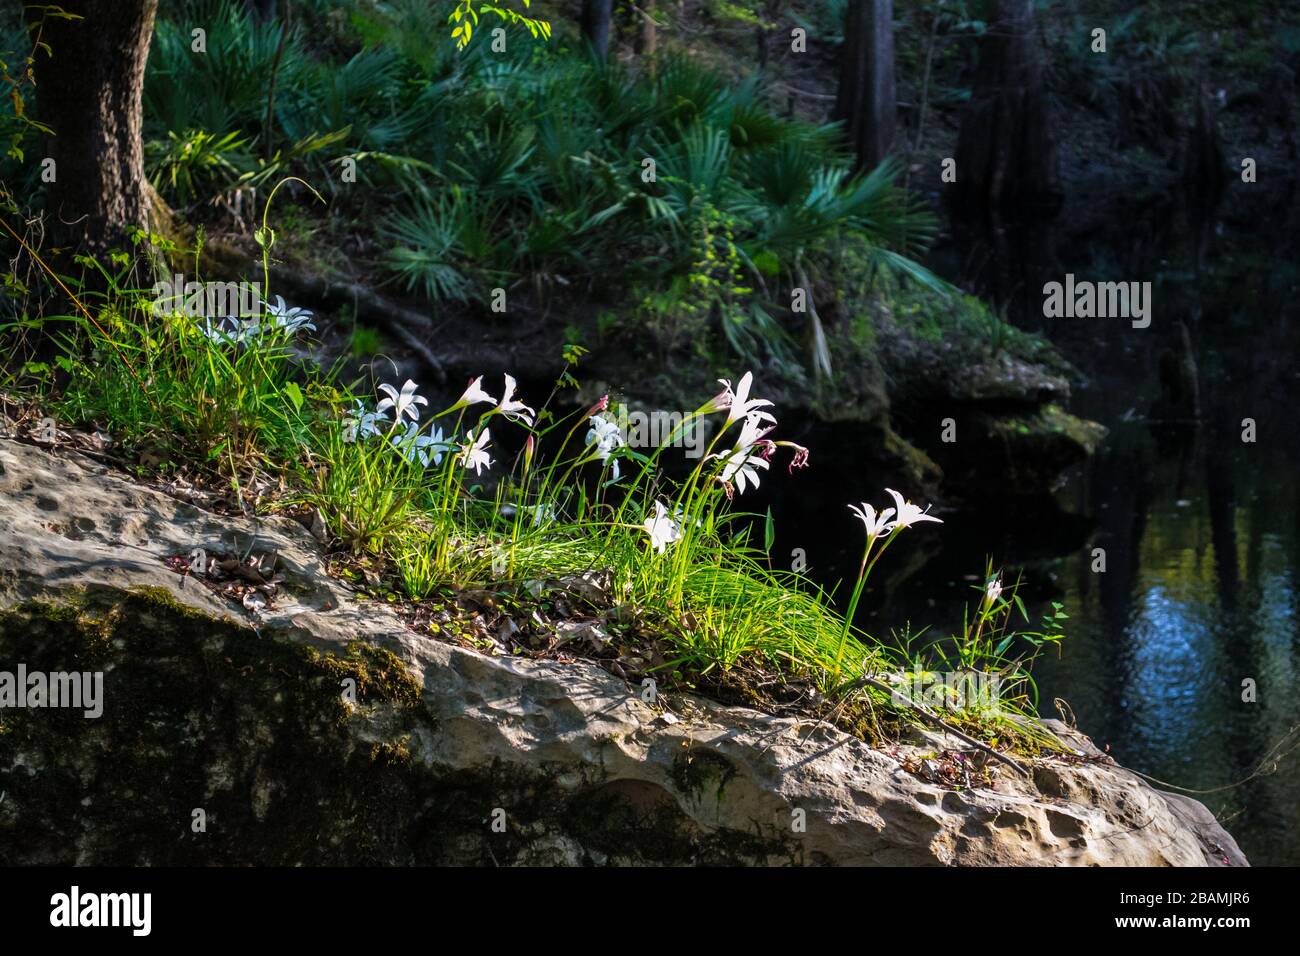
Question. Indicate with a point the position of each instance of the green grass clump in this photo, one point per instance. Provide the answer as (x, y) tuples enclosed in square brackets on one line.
[(492, 494), (224, 389)]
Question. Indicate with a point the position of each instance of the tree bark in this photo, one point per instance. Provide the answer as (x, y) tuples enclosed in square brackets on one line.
[(596, 16), (88, 91), (649, 30), (866, 102), (262, 9), (1006, 157), (1204, 171)]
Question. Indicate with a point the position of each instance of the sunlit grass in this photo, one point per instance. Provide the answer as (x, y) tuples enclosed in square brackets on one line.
[(441, 506)]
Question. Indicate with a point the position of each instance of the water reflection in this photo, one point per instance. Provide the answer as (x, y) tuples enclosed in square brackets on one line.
[(1200, 530), (1203, 597)]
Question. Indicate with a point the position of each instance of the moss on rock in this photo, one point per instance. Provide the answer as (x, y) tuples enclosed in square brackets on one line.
[(217, 746)]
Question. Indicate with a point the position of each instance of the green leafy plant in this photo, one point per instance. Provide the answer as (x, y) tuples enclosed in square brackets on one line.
[(196, 165)]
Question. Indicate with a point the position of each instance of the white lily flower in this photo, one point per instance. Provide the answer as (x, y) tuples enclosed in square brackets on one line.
[(908, 513), (739, 402), (515, 410), (738, 466), (291, 320), (750, 452), (231, 331), (217, 334), (752, 430), (413, 446), (876, 524), (607, 437), (605, 434), (473, 395), (403, 403), (473, 454), (662, 529), (365, 424), (993, 591)]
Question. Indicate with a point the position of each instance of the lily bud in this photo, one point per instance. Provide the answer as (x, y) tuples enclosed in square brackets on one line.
[(718, 403), (529, 447)]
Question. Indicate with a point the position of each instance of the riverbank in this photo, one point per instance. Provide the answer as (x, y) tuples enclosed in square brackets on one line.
[(321, 730)]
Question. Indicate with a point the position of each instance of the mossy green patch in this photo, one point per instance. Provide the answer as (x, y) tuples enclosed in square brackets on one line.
[(198, 713), (702, 773), (201, 714)]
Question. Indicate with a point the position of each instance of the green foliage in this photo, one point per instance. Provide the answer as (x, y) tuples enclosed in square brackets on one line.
[(525, 167), (826, 21), (400, 485), (964, 323), (546, 171), (213, 402), (24, 44), (364, 342), (362, 95), (991, 643), (737, 11), (466, 17), (427, 252), (196, 165), (225, 89)]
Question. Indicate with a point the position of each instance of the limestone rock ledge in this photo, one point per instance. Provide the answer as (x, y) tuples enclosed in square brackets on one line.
[(226, 739)]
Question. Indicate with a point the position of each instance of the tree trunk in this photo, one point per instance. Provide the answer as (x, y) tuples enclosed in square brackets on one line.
[(1204, 171), (866, 103), (262, 9), (596, 15), (1006, 157), (649, 30), (88, 91)]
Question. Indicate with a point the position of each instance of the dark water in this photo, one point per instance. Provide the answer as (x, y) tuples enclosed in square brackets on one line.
[(1201, 531)]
